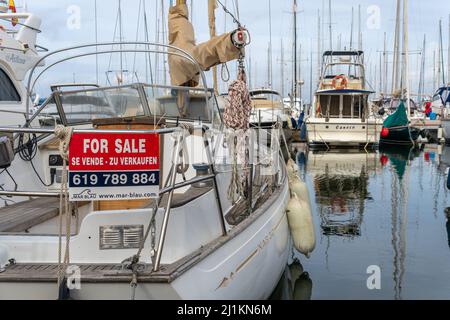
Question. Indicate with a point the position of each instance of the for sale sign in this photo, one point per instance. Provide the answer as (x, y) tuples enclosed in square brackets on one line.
[(105, 166)]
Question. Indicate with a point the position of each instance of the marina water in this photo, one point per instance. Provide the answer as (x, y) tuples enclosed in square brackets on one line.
[(380, 211)]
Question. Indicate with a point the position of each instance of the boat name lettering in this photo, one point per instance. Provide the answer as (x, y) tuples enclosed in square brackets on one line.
[(345, 127)]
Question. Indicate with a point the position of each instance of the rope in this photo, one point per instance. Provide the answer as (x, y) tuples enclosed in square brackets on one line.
[(64, 135), (237, 119)]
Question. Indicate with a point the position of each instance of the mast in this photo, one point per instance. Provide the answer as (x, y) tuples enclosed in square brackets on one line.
[(300, 74), (295, 52), (395, 71), (406, 54), (351, 30), (360, 39), (380, 69), (311, 79), (439, 57), (164, 40), (268, 66), (120, 40), (319, 48), (422, 70), (434, 69), (441, 54), (282, 68), (385, 81), (96, 41), (448, 59), (270, 46), (329, 25), (212, 5)]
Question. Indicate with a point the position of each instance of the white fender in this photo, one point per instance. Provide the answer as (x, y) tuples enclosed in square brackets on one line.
[(291, 167), (300, 189), (301, 225)]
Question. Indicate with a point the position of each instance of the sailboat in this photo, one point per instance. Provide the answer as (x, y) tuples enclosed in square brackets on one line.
[(397, 128), (193, 241)]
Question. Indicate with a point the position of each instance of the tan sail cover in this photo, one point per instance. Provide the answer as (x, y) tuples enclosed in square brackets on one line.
[(218, 50)]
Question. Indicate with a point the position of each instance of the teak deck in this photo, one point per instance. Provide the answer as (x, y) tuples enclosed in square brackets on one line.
[(22, 216)]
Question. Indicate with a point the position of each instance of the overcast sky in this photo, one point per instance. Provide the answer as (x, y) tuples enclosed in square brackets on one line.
[(378, 17)]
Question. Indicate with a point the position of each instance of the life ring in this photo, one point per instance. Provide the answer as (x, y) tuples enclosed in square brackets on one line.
[(343, 83)]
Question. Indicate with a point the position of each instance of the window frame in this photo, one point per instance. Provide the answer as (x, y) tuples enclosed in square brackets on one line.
[(10, 78)]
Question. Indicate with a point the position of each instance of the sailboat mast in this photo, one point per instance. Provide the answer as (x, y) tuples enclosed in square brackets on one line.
[(164, 40), (295, 51), (448, 60), (319, 47), (120, 40), (439, 57), (270, 47), (351, 30), (311, 79), (96, 41), (385, 81), (422, 70), (395, 71), (441, 53), (329, 25), (212, 5), (360, 39), (406, 54), (282, 68), (300, 74)]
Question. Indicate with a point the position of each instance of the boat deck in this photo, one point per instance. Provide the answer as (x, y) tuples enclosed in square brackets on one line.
[(21, 216)]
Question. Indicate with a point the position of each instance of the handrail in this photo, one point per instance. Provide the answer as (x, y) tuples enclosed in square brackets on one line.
[(180, 52)]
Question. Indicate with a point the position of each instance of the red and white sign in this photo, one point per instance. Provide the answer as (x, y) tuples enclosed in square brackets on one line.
[(105, 166)]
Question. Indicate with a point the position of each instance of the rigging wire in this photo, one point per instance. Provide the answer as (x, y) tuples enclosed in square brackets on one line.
[(235, 20)]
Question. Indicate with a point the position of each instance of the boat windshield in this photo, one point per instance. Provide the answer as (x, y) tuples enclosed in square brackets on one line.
[(84, 106)]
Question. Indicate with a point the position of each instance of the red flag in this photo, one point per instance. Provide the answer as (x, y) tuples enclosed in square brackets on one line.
[(12, 7)]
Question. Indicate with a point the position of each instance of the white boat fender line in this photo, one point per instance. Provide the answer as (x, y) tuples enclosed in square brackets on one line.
[(300, 218), (64, 134)]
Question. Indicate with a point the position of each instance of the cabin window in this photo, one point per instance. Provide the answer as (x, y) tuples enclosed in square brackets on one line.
[(331, 105), (347, 107), (8, 91)]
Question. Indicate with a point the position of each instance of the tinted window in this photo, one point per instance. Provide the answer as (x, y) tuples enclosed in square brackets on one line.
[(7, 90)]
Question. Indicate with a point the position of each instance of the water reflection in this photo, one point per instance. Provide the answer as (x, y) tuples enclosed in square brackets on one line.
[(295, 284), (341, 182), (399, 158), (385, 208)]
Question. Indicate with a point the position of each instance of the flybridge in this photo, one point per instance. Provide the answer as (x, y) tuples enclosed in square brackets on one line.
[(19, 50)]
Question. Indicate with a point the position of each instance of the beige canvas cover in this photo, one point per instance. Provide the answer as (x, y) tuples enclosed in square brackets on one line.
[(218, 50)]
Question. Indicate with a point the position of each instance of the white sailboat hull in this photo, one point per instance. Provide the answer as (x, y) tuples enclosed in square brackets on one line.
[(247, 266)]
